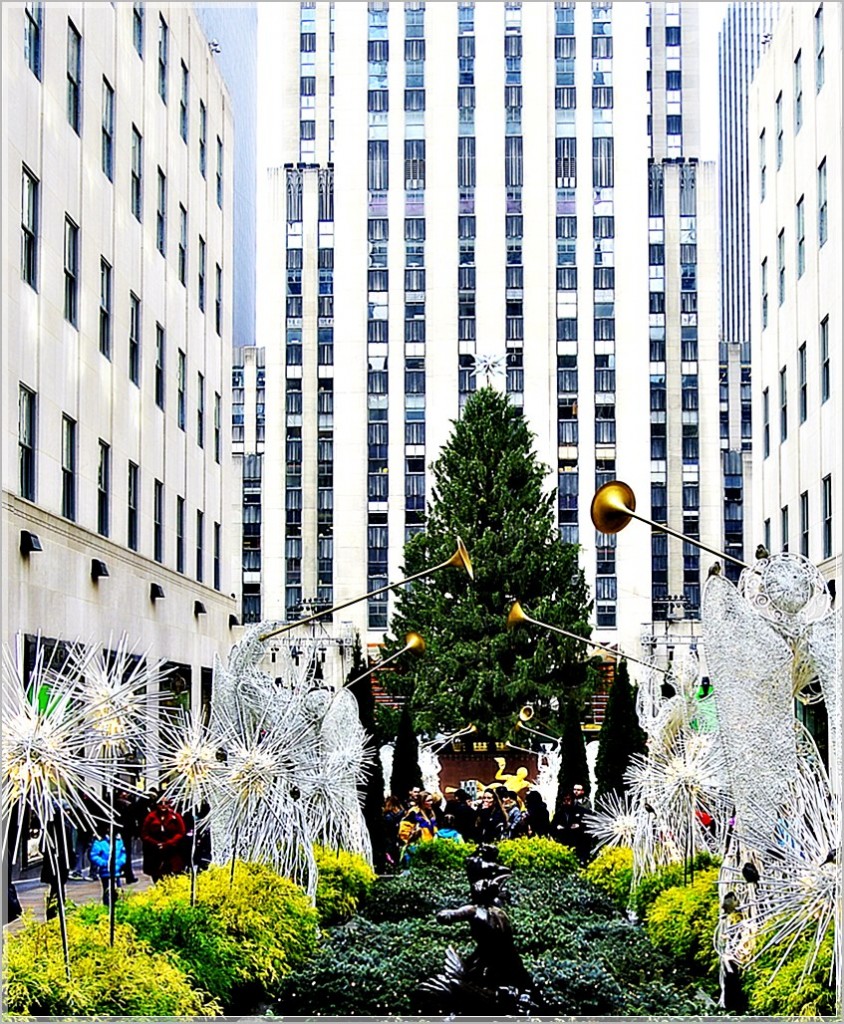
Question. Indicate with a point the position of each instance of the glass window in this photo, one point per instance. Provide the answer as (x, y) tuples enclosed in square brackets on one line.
[(105, 308), (803, 404), (161, 214), (218, 427), (200, 294), (824, 358), (823, 228), (26, 443), (763, 168), (218, 298), (184, 103), (800, 219), (219, 172), (778, 110), (200, 546), (819, 49), (71, 271), (138, 28), (217, 552), (764, 293), (103, 489), (766, 423), (137, 173), (160, 341), (798, 92), (784, 528), (108, 131), (74, 77), (181, 393), (183, 245), (180, 534), (158, 521), (783, 404), (203, 138), (826, 517), (133, 487), (200, 410), (29, 227), (163, 48), (804, 524), (134, 338), (68, 468), (33, 23), (781, 267)]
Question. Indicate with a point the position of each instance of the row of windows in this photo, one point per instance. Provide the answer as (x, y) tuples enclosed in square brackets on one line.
[(30, 230), (802, 389), (804, 524), (27, 430)]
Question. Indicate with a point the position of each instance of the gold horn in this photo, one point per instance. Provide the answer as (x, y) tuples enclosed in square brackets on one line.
[(412, 642), (439, 744), (459, 558), (614, 505), (526, 713), (522, 616)]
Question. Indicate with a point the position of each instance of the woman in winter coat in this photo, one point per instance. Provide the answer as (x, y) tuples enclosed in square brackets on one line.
[(162, 835), (100, 857), (491, 823)]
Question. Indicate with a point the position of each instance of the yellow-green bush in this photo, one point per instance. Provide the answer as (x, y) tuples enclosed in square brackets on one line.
[(537, 853), (682, 920), (792, 991), (270, 917), (664, 878), (127, 979), (345, 879), (612, 872)]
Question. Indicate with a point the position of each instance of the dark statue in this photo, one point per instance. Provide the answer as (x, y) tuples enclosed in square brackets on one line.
[(492, 980)]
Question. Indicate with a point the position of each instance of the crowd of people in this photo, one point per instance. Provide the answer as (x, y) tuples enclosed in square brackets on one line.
[(501, 811)]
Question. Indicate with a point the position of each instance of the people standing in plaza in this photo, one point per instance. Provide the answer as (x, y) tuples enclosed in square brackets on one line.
[(127, 808), (512, 811), (101, 859), (534, 820), (393, 813), (464, 814), (491, 821), (56, 851), (162, 835), (448, 831)]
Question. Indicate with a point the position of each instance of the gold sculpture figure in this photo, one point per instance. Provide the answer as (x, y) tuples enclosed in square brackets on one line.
[(517, 783)]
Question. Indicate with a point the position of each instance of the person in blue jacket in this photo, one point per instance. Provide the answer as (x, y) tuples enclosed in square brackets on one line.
[(100, 857)]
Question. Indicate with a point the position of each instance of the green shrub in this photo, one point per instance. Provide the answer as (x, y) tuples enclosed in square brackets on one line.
[(444, 855), (570, 898), (416, 894), (127, 979), (682, 920), (651, 886), (269, 917), (344, 881), (792, 991), (575, 987), (612, 872), (538, 854)]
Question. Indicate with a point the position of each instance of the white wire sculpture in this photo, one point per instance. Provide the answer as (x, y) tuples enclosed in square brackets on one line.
[(613, 821)]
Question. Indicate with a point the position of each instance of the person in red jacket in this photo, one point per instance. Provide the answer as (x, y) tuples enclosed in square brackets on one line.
[(162, 834)]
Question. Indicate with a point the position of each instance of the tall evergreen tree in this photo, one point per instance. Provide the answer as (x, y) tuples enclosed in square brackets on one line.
[(372, 789), (406, 771), (621, 736), (574, 767), (488, 488)]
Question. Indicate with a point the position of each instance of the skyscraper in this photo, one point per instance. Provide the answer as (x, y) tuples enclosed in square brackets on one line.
[(745, 35), (476, 200)]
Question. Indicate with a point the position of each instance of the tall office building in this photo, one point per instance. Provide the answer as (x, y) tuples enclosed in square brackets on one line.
[(795, 255), (118, 297), (489, 190), (745, 35)]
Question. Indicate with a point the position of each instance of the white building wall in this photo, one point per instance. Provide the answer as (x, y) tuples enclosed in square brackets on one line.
[(52, 591), (811, 451)]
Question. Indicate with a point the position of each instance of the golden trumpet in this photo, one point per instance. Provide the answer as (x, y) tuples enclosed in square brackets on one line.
[(517, 615), (526, 712), (460, 558), (412, 642), (536, 732), (614, 505)]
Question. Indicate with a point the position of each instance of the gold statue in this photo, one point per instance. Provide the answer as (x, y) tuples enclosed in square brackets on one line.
[(517, 783)]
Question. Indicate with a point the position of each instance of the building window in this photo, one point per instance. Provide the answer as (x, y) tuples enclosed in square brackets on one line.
[(781, 267), (108, 131), (132, 495), (34, 19), (180, 534), (218, 298), (161, 214), (822, 211), (138, 28), (804, 524), (137, 173), (201, 275), (71, 271), (68, 468), (160, 341), (219, 172), (764, 293), (200, 410), (798, 92), (74, 77), (218, 427), (105, 308), (803, 404), (778, 111), (183, 244), (602, 163), (819, 49), (158, 521), (766, 534), (217, 547), (26, 443), (103, 489), (800, 218), (824, 358), (29, 227), (163, 46), (181, 394), (763, 167), (826, 516), (784, 528), (203, 137), (200, 546), (134, 338), (766, 423), (184, 103), (783, 404)]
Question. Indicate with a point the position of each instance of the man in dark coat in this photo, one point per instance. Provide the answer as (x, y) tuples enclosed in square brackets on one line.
[(464, 814), (56, 848)]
